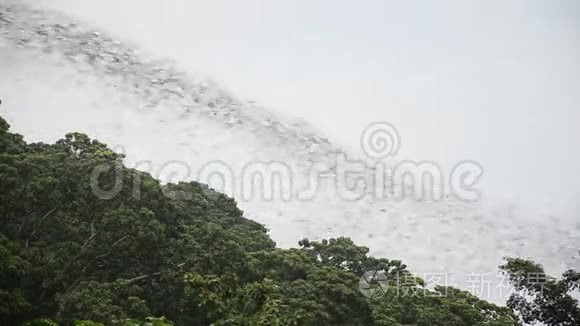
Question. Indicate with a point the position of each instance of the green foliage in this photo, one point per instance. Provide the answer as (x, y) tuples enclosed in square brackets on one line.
[(86, 241), (40, 322), (68, 254), (87, 323), (9, 142), (442, 306), (540, 298)]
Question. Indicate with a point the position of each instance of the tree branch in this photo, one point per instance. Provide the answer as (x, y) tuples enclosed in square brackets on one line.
[(106, 253), (27, 242), (146, 276)]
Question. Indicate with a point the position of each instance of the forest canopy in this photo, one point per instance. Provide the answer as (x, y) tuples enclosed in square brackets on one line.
[(68, 257)]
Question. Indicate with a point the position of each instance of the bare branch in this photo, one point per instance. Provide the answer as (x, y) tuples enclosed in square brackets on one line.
[(27, 242), (106, 253), (146, 276)]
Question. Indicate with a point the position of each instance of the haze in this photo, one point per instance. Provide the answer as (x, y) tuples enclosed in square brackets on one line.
[(496, 81)]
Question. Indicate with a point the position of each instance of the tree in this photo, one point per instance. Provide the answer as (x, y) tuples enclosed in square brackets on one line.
[(541, 298), (185, 254), (69, 254)]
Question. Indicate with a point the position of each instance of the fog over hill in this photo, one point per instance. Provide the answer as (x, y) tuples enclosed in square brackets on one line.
[(61, 74)]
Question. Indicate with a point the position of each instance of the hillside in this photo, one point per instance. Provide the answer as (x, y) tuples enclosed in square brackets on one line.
[(162, 126), (81, 79), (85, 238)]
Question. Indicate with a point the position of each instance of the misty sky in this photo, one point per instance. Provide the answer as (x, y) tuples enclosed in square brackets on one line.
[(493, 81)]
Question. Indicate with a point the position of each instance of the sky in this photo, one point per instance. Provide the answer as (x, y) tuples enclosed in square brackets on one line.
[(497, 82)]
